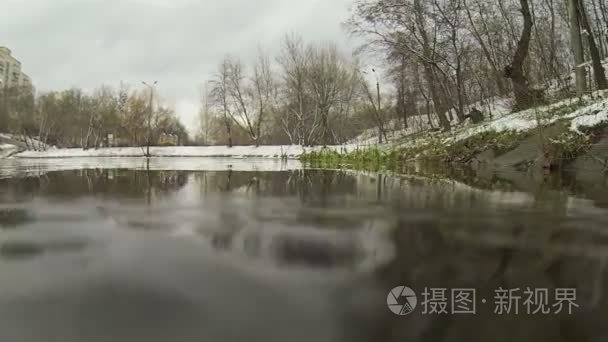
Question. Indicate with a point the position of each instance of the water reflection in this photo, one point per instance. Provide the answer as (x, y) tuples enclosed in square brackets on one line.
[(26, 249), (298, 255), (12, 218)]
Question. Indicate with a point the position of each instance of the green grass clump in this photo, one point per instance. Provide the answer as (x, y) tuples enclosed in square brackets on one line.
[(368, 158), (433, 151), (568, 146), (565, 148)]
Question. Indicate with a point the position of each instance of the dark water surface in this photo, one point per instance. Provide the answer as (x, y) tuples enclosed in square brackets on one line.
[(286, 254)]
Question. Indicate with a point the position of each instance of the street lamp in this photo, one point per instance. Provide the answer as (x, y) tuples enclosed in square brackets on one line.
[(379, 105), (149, 116)]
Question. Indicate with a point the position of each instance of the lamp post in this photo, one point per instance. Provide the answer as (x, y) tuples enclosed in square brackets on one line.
[(149, 116), (379, 105)]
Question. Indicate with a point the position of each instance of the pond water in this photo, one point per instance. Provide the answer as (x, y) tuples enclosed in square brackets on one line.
[(191, 250)]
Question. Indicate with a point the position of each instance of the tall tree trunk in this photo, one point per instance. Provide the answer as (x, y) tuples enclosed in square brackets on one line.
[(600, 29), (426, 98), (429, 72), (598, 69), (603, 29), (324, 128), (401, 103), (227, 124), (577, 47), (460, 88), (524, 96), (502, 89)]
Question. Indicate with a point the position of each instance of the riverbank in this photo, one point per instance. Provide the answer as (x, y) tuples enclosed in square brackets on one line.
[(267, 152), (569, 133)]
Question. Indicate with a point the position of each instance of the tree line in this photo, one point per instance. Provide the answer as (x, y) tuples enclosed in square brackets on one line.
[(442, 58), (309, 94), (449, 54), (438, 60), (75, 118)]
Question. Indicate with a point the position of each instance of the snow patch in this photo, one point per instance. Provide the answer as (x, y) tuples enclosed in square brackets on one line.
[(517, 124), (7, 149), (588, 121), (494, 108), (236, 152)]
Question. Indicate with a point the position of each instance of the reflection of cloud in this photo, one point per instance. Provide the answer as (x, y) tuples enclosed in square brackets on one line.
[(306, 246)]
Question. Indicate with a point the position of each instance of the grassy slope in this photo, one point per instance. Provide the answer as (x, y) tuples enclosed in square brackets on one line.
[(556, 127)]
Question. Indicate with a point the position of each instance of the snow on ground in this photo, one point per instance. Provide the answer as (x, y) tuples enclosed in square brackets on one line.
[(271, 152), (22, 141), (7, 149), (529, 119), (589, 116), (501, 120), (491, 108), (416, 124)]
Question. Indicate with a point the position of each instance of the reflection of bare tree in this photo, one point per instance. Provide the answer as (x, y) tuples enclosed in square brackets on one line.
[(228, 186), (121, 183), (307, 185), (254, 185), (598, 287)]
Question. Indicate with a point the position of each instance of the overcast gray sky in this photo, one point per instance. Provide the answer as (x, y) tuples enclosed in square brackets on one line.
[(87, 43)]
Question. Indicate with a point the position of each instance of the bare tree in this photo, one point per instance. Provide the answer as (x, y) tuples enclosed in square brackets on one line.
[(204, 117), (596, 58), (220, 93), (294, 70), (242, 99), (524, 96), (376, 108), (577, 47), (265, 90)]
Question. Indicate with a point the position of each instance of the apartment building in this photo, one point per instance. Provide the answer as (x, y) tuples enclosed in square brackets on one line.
[(11, 75)]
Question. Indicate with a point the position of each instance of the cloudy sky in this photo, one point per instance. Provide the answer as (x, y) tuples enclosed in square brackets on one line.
[(86, 43)]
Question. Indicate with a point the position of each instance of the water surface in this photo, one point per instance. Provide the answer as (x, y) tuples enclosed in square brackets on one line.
[(233, 250)]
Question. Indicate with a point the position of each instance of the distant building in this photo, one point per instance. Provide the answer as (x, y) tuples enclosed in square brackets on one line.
[(11, 75), (168, 140)]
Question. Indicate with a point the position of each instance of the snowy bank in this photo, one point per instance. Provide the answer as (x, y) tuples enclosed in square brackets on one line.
[(570, 128), (270, 152), (7, 150), (491, 108), (593, 111), (22, 142), (590, 116)]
